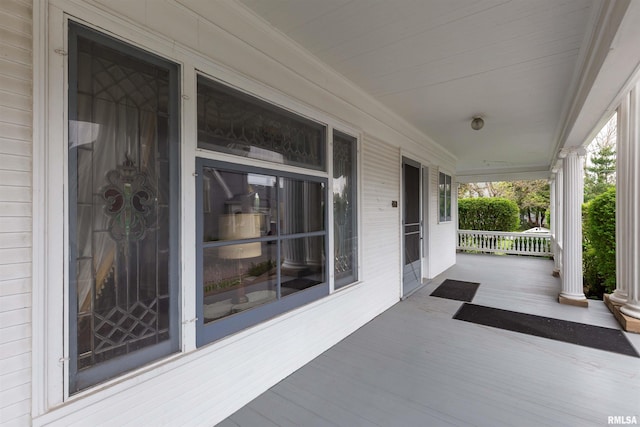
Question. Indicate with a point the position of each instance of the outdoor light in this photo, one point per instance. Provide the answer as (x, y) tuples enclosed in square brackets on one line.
[(477, 123)]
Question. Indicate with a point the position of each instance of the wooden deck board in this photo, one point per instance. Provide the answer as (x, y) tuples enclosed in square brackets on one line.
[(415, 365), (337, 412)]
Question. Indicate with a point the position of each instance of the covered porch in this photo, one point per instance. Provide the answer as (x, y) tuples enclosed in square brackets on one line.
[(416, 365), (372, 112)]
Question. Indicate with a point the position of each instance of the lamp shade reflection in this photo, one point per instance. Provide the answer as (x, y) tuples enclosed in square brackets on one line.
[(237, 227)]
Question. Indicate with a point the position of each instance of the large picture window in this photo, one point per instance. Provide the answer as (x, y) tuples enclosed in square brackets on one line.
[(444, 192), (262, 233), (262, 245), (123, 174), (345, 229)]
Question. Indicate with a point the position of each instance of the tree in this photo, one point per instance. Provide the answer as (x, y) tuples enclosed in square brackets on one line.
[(531, 197), (600, 169), (485, 189)]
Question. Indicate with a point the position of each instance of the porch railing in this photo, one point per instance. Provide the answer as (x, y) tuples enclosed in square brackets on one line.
[(537, 244)]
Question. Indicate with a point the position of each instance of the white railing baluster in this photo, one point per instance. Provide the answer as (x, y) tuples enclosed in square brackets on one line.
[(504, 242)]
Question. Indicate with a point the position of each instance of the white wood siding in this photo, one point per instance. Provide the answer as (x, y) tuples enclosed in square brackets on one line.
[(442, 236), (15, 214), (381, 221)]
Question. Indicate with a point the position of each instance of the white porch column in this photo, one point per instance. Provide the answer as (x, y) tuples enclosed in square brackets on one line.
[(293, 250), (619, 296), (572, 197), (559, 218), (553, 215), (313, 250), (632, 260)]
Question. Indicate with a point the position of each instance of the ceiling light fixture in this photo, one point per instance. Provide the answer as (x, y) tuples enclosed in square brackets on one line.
[(477, 123)]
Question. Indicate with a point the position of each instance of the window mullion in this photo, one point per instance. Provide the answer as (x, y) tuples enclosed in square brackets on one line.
[(188, 195), (330, 242)]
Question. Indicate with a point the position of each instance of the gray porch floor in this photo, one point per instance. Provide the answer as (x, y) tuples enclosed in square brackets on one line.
[(416, 366)]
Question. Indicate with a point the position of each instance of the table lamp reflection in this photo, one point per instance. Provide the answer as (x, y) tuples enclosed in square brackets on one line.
[(237, 227)]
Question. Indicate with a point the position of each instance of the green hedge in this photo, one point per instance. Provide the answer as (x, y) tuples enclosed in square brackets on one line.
[(488, 213), (599, 256)]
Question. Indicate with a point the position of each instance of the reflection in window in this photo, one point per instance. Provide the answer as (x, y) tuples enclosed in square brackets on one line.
[(238, 206), (263, 239), (302, 206), (229, 193), (303, 263), (238, 277), (344, 209)]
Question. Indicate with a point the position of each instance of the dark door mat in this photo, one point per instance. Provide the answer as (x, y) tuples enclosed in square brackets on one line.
[(457, 290), (561, 330)]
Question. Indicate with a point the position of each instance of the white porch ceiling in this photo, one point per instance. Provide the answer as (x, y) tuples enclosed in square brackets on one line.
[(437, 63)]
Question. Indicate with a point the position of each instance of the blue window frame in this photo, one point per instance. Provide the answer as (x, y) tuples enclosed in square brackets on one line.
[(262, 245), (123, 207), (345, 209), (444, 195)]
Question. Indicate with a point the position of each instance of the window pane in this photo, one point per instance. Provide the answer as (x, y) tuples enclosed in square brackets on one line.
[(247, 266), (303, 264), (441, 197), (120, 204), (236, 123), (412, 186), (302, 204), (448, 198), (227, 195), (344, 209), (238, 277), (412, 248)]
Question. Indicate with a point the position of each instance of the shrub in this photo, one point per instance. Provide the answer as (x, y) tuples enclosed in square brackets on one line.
[(591, 280), (547, 218), (488, 213), (599, 256)]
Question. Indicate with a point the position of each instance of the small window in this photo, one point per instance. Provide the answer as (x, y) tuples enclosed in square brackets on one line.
[(345, 230), (444, 191), (262, 245), (233, 122)]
